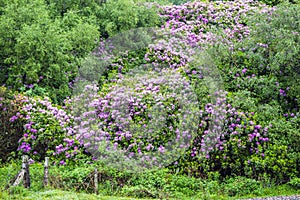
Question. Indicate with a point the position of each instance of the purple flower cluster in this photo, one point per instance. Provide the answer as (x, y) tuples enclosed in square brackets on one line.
[(282, 92), (25, 147), (197, 18), (45, 121), (138, 115), (238, 131), (213, 119), (194, 24)]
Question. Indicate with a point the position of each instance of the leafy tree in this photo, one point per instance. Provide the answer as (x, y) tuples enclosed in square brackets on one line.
[(122, 15), (86, 7), (38, 49)]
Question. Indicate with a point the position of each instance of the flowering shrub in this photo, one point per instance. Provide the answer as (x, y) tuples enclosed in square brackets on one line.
[(198, 20), (142, 116), (170, 113), (47, 131), (268, 69), (261, 77), (197, 25), (11, 131)]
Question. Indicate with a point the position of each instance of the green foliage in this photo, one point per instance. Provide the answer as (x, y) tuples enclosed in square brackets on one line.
[(11, 130), (239, 186), (123, 15), (295, 182), (179, 185), (8, 172), (151, 179), (262, 78), (73, 178), (161, 184), (40, 49), (60, 8), (178, 2), (276, 2), (152, 184), (80, 177), (285, 136), (270, 57), (43, 43)]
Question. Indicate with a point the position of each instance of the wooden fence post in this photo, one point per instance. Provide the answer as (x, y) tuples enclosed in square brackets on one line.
[(25, 168), (96, 181), (46, 172), (17, 180)]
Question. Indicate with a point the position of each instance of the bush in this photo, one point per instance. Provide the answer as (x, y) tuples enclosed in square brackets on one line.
[(276, 2), (241, 186), (86, 8), (38, 49), (123, 15), (11, 128), (266, 63), (48, 132), (295, 183), (179, 185), (261, 77)]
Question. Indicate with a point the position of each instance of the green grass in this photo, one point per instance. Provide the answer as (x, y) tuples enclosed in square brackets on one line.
[(54, 194), (57, 195), (179, 188), (281, 190)]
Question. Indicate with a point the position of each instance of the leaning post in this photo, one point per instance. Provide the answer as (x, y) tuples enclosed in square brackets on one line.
[(46, 172)]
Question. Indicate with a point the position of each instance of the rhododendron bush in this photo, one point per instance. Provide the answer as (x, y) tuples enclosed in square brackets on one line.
[(213, 92), (140, 114), (10, 104)]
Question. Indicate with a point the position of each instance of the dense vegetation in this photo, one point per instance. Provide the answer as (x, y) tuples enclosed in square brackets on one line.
[(222, 79)]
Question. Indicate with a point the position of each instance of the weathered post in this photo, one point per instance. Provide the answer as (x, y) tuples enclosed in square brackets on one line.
[(96, 181), (46, 172), (18, 178), (25, 168)]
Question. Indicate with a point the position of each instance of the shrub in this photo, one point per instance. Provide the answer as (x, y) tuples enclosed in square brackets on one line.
[(180, 185), (11, 128), (240, 186), (276, 2), (123, 15), (38, 49), (295, 182), (48, 132), (262, 77), (262, 66), (60, 8), (147, 184)]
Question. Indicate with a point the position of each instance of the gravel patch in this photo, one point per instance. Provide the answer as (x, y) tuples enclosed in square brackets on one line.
[(295, 197)]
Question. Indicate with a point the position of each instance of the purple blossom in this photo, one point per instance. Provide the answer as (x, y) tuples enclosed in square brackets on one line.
[(62, 162), (25, 147), (282, 92), (161, 149), (30, 161), (33, 130), (13, 118), (258, 127)]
